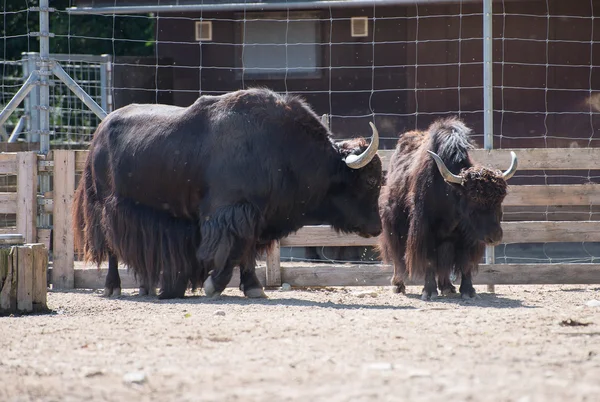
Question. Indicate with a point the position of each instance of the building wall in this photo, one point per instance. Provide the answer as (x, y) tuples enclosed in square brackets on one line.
[(526, 115)]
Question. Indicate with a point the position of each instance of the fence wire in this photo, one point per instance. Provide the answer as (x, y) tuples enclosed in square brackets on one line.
[(401, 66)]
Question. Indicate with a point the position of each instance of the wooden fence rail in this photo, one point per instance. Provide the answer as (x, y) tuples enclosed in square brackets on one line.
[(65, 165)]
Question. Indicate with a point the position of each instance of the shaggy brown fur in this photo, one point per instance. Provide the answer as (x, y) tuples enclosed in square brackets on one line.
[(432, 227)]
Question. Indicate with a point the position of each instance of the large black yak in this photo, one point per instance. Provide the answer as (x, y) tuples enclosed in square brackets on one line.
[(177, 192), (438, 210)]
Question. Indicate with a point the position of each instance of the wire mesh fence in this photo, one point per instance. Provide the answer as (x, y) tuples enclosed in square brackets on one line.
[(399, 64)]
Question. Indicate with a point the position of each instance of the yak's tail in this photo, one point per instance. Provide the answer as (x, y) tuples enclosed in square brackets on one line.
[(157, 246), (89, 237)]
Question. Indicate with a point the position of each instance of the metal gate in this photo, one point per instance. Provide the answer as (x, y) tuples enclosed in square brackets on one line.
[(71, 121)]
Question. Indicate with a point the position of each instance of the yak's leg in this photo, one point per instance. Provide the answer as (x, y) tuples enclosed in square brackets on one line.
[(226, 236), (393, 249), (430, 289), (445, 263), (177, 291), (249, 283), (222, 271), (467, 291), (147, 288), (466, 263), (399, 277), (112, 283), (216, 283), (445, 284)]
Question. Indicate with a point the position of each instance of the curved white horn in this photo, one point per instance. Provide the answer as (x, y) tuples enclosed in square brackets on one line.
[(446, 174), (359, 161), (513, 167)]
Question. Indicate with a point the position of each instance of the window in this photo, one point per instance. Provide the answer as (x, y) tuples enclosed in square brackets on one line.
[(264, 54)]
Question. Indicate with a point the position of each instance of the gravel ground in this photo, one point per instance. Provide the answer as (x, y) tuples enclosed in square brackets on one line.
[(523, 343)]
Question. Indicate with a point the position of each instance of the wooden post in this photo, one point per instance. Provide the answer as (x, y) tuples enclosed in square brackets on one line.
[(8, 281), (27, 184), (23, 269), (24, 258), (273, 273), (40, 276), (63, 274)]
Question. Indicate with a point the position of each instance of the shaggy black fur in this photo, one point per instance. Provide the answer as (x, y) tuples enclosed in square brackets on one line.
[(221, 179)]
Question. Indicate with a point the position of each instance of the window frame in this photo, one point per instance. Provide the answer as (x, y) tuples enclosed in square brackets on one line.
[(293, 15)]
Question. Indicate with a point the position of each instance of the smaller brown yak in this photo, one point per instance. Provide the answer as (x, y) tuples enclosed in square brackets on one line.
[(438, 209)]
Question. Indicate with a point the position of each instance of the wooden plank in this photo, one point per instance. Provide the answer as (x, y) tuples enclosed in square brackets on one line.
[(574, 194), (80, 157), (307, 275), (64, 189), (530, 158), (514, 232), (500, 274), (19, 146), (12, 239), (316, 236), (24, 278), (8, 281), (311, 275), (539, 274), (8, 163), (551, 232), (273, 274), (93, 278), (40, 276), (44, 236), (10, 230), (8, 203), (27, 184)]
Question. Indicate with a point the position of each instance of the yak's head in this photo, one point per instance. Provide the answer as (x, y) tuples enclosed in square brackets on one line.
[(481, 191), (354, 197)]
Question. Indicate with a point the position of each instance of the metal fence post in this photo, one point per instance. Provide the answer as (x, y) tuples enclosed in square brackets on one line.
[(103, 81), (488, 101), (44, 71), (28, 102), (44, 100)]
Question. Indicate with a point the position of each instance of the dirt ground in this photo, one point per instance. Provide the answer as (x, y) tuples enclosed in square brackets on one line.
[(341, 344)]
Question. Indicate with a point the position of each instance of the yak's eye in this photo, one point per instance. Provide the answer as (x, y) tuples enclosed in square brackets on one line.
[(372, 181)]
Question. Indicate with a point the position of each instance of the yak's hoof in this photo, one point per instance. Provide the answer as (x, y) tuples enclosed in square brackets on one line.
[(169, 295), (144, 291), (114, 292), (209, 289), (399, 289), (448, 291), (255, 293), (470, 296), (429, 296)]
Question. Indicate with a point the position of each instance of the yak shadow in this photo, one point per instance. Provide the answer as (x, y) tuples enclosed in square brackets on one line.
[(488, 300), (574, 290), (226, 299)]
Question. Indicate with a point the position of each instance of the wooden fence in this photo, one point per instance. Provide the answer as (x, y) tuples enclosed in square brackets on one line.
[(65, 165)]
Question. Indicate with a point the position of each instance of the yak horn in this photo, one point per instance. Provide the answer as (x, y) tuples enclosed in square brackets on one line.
[(359, 161), (446, 174), (513, 167)]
